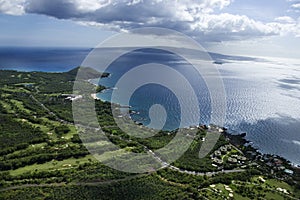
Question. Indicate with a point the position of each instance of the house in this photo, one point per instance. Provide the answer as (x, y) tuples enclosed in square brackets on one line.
[(277, 162), (204, 127), (241, 158), (218, 153), (232, 160), (72, 97), (288, 171), (217, 161), (252, 154), (223, 149), (228, 147)]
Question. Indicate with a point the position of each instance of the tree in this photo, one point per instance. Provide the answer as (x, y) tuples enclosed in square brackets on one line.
[(62, 129)]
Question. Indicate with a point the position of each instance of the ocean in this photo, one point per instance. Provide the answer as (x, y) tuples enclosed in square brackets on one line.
[(41, 59), (262, 94)]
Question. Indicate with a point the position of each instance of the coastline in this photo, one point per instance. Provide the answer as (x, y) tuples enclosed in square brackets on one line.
[(94, 96), (237, 139), (228, 131)]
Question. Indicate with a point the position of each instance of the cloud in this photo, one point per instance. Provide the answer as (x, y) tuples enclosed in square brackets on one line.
[(296, 142), (202, 19), (287, 25), (226, 26), (15, 7), (296, 6), (285, 19)]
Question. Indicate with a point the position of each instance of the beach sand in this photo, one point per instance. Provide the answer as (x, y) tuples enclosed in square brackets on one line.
[(94, 96)]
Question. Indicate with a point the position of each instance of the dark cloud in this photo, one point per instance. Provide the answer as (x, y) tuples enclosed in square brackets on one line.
[(56, 8)]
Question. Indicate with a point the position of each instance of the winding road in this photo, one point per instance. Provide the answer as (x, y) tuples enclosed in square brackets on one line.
[(164, 164)]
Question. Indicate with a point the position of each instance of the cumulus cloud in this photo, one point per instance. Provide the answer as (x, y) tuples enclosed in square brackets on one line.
[(15, 7), (285, 19), (296, 6), (286, 25), (197, 18), (228, 26)]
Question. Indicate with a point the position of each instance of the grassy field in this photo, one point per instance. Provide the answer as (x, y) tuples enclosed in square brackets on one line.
[(53, 165)]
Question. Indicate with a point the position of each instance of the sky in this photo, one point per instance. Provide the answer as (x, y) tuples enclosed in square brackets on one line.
[(240, 27)]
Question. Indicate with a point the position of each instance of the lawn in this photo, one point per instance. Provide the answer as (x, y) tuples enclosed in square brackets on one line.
[(10, 89), (43, 128), (20, 106), (274, 195), (72, 132), (53, 165), (7, 107), (278, 184)]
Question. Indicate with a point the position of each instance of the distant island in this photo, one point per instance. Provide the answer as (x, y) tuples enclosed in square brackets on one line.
[(42, 156)]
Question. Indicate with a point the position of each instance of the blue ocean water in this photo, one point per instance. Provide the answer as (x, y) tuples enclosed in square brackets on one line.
[(41, 59), (146, 96), (263, 95)]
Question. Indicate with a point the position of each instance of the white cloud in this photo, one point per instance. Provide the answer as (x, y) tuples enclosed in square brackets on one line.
[(15, 7), (287, 26), (90, 5), (232, 24), (133, 2), (296, 6), (285, 19), (296, 142)]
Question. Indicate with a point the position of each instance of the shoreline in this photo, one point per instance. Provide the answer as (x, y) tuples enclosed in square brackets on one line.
[(94, 96), (228, 130)]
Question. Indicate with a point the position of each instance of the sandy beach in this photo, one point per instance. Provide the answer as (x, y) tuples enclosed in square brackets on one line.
[(94, 96)]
